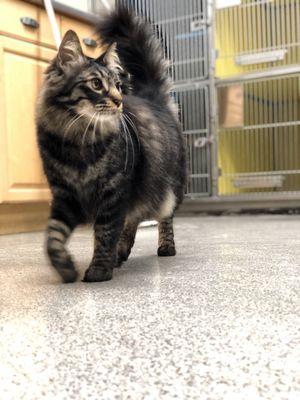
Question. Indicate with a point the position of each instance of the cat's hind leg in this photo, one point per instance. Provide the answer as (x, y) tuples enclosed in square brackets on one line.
[(106, 234), (166, 244), (126, 241)]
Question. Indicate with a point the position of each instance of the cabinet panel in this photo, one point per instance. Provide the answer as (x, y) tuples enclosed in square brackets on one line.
[(22, 66), (11, 13)]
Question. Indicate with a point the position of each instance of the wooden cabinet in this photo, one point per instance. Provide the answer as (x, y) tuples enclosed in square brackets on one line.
[(86, 35), (22, 65), (16, 18), (24, 54)]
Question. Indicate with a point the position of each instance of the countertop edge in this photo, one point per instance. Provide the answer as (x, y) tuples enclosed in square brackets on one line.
[(68, 11)]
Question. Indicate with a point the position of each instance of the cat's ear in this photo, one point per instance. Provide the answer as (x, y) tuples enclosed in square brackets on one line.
[(110, 58), (70, 51)]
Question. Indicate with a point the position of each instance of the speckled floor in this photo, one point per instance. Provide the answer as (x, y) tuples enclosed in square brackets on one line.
[(219, 321)]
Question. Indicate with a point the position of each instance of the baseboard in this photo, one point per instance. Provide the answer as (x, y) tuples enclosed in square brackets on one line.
[(16, 218), (236, 205)]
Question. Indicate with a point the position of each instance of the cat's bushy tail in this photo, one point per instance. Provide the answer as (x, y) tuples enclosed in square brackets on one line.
[(139, 50)]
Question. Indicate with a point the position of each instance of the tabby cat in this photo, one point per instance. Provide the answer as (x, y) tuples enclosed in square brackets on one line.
[(111, 144)]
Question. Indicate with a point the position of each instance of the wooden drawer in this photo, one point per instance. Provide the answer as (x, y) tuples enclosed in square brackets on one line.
[(84, 31), (11, 12)]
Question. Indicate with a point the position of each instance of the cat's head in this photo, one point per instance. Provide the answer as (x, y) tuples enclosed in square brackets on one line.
[(79, 90)]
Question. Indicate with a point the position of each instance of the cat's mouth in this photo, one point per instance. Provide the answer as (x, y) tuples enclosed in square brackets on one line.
[(109, 110), (107, 113), (111, 106)]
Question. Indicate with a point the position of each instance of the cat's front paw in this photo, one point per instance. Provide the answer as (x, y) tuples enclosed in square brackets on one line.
[(98, 274), (68, 275), (63, 264)]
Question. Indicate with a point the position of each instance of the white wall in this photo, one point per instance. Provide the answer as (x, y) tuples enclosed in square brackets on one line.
[(79, 4), (82, 5)]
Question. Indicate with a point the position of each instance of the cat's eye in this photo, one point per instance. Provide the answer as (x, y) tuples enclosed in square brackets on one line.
[(96, 84)]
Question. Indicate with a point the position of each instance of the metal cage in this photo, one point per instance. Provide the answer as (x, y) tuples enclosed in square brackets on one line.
[(259, 136), (193, 104), (182, 26), (236, 72), (256, 35)]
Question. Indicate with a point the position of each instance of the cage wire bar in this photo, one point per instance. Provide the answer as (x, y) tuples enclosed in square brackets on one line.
[(257, 35), (183, 27), (236, 72), (190, 100), (258, 45), (259, 137)]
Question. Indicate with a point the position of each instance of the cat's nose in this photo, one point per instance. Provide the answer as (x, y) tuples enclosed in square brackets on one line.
[(117, 102)]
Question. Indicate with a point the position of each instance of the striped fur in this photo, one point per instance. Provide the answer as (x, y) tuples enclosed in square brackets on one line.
[(166, 245), (126, 241), (57, 236), (112, 148)]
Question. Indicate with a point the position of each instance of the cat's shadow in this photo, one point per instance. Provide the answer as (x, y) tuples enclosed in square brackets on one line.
[(134, 266)]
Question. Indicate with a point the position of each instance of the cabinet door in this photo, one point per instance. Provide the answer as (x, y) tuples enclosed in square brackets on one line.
[(86, 35), (16, 17), (21, 73)]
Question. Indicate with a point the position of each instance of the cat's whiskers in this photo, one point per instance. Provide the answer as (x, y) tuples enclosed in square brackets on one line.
[(131, 123), (94, 133), (94, 129), (129, 112), (126, 141), (71, 123), (132, 145), (86, 129)]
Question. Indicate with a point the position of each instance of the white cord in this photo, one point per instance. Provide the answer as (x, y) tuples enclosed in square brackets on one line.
[(53, 22), (147, 224), (106, 4)]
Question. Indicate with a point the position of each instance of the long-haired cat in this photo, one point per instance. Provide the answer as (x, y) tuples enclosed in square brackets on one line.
[(111, 144)]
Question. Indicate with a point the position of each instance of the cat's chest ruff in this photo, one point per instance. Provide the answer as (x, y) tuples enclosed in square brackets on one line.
[(96, 177), (90, 174)]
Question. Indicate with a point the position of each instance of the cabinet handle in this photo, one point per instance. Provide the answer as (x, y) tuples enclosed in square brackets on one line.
[(89, 42), (32, 23)]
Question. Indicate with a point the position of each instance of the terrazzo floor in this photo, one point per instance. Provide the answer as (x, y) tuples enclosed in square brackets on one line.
[(218, 321)]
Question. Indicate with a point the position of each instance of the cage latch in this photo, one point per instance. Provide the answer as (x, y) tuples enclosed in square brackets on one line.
[(203, 141), (199, 25)]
